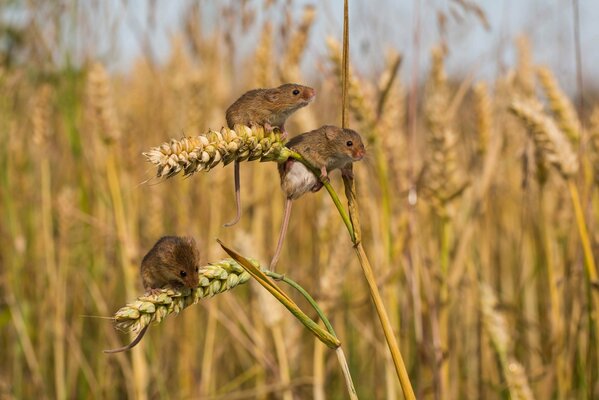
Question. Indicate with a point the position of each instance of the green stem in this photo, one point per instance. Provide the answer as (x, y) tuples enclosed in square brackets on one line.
[(306, 295), (260, 276), (329, 338), (340, 355)]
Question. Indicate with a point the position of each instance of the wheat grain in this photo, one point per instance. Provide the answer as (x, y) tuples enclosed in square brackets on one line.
[(204, 152), (548, 138)]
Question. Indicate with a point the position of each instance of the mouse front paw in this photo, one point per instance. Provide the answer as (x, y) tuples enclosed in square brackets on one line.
[(317, 186), (324, 176), (153, 292)]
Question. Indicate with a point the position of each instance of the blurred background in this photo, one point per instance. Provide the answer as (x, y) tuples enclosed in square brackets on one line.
[(478, 197)]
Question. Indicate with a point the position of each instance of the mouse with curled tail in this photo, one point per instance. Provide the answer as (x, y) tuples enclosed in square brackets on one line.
[(326, 148), (173, 261), (269, 108)]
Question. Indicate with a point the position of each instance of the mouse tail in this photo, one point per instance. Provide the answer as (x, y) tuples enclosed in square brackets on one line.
[(284, 225), (237, 197), (131, 345)]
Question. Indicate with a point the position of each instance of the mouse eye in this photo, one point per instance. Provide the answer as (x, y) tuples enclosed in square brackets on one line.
[(296, 92), (183, 274), (197, 269), (349, 143)]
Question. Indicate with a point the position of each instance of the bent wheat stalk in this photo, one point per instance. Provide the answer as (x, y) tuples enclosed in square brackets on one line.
[(217, 278)]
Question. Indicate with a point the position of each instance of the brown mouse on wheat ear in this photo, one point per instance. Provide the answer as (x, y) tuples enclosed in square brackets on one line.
[(269, 108), (173, 261)]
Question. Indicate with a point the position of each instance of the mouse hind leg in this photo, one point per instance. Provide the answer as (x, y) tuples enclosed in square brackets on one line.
[(237, 197)]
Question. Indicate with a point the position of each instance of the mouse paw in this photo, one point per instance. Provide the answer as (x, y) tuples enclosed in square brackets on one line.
[(268, 128), (317, 186), (153, 292), (324, 176)]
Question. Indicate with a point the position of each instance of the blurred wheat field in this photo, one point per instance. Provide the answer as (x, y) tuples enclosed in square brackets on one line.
[(479, 204)]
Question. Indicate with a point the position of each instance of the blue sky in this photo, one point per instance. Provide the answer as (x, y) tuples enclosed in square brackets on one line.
[(382, 24)]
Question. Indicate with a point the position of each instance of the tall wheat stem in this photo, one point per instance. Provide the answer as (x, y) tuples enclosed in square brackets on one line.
[(53, 277), (554, 299), (443, 362), (589, 263), (356, 233), (140, 371)]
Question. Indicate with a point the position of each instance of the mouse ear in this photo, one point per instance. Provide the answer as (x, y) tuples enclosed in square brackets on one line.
[(272, 97), (190, 240), (329, 132)]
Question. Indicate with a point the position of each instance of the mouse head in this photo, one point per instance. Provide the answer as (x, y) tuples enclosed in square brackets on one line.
[(185, 263), (291, 96), (347, 142)]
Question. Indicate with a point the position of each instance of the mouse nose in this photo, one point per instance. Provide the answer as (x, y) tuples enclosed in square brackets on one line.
[(311, 93)]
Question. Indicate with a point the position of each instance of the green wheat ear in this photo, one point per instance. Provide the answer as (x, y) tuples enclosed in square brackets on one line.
[(214, 278), (204, 152)]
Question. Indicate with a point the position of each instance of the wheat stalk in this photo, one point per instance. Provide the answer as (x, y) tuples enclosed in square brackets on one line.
[(594, 136), (214, 278), (560, 105), (496, 327), (204, 152), (443, 178), (524, 80), (100, 98), (297, 44), (41, 115), (263, 57), (358, 104), (484, 115), (548, 138)]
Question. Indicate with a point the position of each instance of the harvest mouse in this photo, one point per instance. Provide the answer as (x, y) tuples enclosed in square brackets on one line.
[(173, 261), (269, 108), (326, 148)]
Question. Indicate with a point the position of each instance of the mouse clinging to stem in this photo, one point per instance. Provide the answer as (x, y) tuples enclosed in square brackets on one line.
[(269, 108), (173, 261), (326, 148)]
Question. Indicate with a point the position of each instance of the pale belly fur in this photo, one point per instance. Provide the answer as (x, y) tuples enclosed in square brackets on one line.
[(299, 180)]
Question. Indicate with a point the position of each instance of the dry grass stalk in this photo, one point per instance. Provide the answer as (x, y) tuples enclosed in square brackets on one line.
[(594, 137), (215, 278), (496, 326), (41, 115), (263, 58), (297, 43), (524, 80), (560, 105), (443, 178), (100, 98), (358, 104), (548, 138), (484, 115), (204, 152)]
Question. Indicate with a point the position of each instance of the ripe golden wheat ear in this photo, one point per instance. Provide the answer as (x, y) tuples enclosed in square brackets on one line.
[(214, 278), (204, 152)]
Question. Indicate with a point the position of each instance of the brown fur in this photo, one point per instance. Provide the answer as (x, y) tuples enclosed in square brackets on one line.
[(169, 259), (269, 106), (326, 148)]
